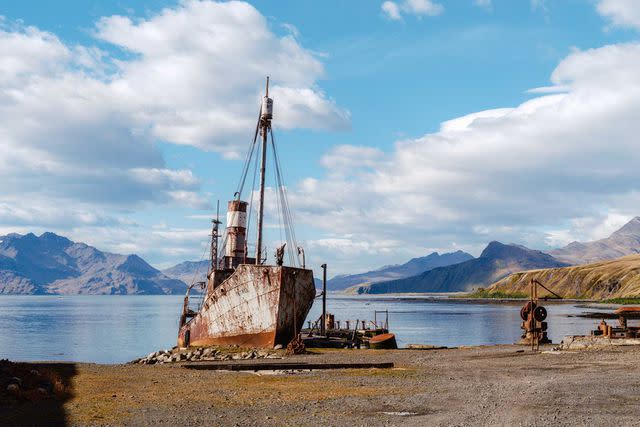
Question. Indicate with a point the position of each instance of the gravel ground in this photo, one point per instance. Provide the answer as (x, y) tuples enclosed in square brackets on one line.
[(497, 385)]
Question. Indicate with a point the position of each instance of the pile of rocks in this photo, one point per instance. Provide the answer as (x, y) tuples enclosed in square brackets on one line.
[(572, 342), (204, 354)]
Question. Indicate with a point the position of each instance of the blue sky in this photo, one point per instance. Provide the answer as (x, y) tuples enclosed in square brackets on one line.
[(371, 87)]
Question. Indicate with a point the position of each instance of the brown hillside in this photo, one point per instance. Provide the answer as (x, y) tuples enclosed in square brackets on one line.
[(619, 278)]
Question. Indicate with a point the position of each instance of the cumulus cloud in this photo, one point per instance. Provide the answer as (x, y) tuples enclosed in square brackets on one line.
[(79, 124), (348, 158), (419, 8), (587, 228), (392, 10), (548, 164), (622, 13), (199, 72), (63, 134), (74, 113)]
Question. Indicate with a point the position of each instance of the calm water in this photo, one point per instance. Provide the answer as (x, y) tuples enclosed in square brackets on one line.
[(113, 329)]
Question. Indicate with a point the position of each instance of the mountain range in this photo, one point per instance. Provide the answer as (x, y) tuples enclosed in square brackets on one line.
[(52, 264), (410, 268), (189, 271), (496, 261), (625, 241)]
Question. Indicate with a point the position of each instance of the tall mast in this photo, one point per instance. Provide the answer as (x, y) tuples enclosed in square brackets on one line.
[(266, 114), (214, 240)]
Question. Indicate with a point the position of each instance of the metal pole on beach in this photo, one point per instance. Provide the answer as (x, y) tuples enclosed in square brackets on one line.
[(323, 323)]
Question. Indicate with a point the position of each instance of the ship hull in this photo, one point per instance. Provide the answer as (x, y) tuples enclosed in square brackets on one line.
[(255, 306)]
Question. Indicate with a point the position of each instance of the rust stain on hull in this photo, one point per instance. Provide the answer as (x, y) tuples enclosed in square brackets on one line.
[(255, 305), (264, 339)]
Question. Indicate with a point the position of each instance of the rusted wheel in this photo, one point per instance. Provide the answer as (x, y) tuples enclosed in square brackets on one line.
[(540, 313)]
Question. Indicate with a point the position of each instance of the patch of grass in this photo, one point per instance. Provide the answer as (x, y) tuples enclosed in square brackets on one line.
[(631, 300), (484, 293)]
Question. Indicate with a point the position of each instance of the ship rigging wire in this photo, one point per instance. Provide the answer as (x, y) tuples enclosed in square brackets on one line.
[(285, 218)]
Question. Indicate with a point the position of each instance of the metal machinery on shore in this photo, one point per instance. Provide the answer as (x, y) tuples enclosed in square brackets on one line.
[(326, 331), (534, 315), (624, 330), (245, 301)]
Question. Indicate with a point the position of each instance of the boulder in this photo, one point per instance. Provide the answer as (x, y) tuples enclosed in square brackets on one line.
[(13, 388)]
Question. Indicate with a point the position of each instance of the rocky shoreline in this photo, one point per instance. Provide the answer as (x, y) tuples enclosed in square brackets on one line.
[(212, 353), (579, 342)]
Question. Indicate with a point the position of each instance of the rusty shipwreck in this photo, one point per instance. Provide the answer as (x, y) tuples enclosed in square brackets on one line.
[(245, 301)]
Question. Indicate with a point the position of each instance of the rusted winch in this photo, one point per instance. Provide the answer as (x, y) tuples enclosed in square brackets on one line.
[(534, 325), (534, 315)]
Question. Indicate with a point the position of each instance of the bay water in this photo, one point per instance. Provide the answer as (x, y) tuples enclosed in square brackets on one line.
[(117, 329)]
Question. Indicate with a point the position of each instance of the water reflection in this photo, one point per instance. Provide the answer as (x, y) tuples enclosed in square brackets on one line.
[(455, 323), (114, 329)]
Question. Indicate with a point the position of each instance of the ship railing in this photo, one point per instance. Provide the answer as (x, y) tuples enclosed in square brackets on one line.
[(360, 325)]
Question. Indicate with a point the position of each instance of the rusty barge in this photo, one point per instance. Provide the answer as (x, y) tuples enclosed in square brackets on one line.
[(245, 301)]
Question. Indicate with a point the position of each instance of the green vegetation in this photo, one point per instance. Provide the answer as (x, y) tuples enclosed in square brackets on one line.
[(484, 293), (630, 300)]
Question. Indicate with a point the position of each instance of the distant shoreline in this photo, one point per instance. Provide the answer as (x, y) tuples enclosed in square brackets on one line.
[(461, 297)]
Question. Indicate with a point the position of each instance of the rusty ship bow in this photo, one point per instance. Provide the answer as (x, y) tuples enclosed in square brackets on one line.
[(245, 301)]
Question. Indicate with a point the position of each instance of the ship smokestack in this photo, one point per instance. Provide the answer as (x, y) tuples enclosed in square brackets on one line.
[(235, 250)]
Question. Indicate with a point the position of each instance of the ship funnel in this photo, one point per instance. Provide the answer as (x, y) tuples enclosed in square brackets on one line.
[(235, 249)]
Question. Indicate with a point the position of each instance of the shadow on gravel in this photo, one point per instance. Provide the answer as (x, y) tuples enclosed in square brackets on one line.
[(35, 393)]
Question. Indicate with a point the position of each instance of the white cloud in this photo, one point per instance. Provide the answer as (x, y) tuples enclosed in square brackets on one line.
[(485, 4), (392, 10), (548, 89), (587, 228), (509, 174), (622, 13), (419, 8), (79, 124), (211, 59), (422, 7), (346, 158)]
